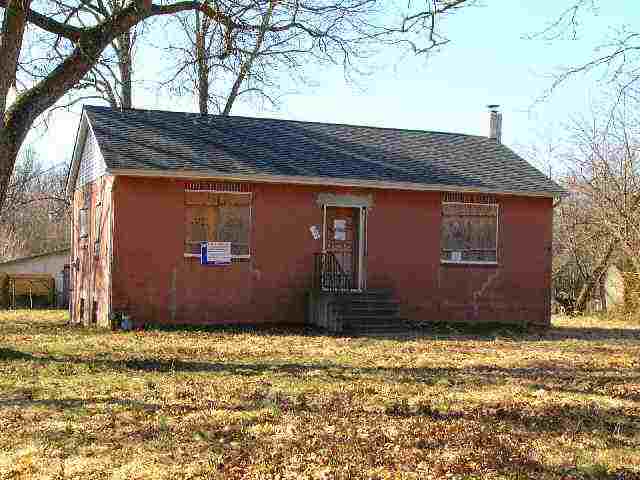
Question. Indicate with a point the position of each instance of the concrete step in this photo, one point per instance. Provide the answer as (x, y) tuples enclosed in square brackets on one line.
[(369, 301), (361, 300), (370, 297), (372, 318), (375, 328), (367, 324), (368, 307), (373, 313), (378, 291), (382, 332)]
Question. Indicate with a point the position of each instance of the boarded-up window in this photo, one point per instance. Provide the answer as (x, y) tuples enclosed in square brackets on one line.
[(469, 232), (217, 217)]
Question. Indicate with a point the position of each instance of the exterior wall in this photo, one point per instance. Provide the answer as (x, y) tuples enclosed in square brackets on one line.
[(404, 254), (52, 264), (91, 264), (155, 283)]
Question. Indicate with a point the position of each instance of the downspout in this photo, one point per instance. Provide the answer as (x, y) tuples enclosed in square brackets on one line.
[(72, 261), (324, 228), (112, 224), (555, 204)]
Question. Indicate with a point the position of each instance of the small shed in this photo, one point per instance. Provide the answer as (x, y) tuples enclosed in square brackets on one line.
[(28, 290), (54, 265)]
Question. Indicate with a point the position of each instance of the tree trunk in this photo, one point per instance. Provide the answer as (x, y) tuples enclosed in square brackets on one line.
[(89, 42), (245, 68), (14, 23), (8, 155), (587, 288), (19, 117), (202, 65), (203, 90), (126, 69)]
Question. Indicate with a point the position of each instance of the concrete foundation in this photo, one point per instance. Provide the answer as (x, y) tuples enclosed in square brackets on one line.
[(323, 311)]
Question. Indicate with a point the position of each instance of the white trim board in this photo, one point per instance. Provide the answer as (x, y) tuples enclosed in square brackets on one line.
[(324, 181)]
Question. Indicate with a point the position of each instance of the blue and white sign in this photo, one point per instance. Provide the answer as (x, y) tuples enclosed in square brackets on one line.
[(215, 253)]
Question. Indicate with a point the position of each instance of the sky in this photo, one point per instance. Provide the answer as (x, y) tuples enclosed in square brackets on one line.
[(488, 61)]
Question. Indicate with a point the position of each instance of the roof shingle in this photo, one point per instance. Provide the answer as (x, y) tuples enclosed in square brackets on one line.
[(159, 140)]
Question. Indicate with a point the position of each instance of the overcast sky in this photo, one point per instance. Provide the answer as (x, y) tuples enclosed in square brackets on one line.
[(487, 61)]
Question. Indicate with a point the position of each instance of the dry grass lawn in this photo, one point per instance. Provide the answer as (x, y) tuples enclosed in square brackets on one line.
[(78, 403)]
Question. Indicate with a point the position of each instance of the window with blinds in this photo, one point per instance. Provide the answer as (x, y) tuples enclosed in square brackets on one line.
[(213, 216)]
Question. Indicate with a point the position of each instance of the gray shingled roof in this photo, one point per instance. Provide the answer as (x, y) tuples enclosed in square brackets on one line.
[(157, 140)]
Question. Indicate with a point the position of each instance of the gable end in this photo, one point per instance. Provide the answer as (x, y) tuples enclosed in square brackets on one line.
[(92, 164), (87, 163)]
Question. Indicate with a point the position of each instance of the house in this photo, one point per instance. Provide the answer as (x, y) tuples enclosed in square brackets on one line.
[(456, 227), (39, 268)]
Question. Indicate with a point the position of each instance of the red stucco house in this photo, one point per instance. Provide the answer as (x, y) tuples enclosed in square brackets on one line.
[(431, 226)]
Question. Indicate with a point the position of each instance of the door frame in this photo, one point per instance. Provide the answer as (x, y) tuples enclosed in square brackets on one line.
[(362, 238)]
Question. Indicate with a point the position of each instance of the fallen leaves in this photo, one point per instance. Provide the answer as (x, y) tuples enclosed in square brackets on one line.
[(78, 403)]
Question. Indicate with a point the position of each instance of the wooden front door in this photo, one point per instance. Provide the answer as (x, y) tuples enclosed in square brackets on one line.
[(342, 239)]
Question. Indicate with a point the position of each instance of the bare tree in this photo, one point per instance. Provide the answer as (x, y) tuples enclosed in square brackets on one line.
[(600, 221), (112, 76), (219, 65), (583, 250), (63, 50), (606, 173), (195, 58), (248, 57), (36, 214), (110, 79), (615, 58)]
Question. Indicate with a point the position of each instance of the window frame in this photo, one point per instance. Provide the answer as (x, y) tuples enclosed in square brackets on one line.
[(98, 229), (85, 210), (83, 214), (230, 192), (471, 262)]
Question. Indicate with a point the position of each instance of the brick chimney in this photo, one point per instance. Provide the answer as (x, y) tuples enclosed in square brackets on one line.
[(495, 123)]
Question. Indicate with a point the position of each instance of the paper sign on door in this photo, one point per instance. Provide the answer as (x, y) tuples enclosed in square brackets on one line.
[(340, 230)]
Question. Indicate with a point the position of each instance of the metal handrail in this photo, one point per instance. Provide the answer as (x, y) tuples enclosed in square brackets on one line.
[(329, 275)]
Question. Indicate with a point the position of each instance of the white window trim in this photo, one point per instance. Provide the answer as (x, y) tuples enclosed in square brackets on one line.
[(233, 257), (220, 191), (467, 262), (475, 262)]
